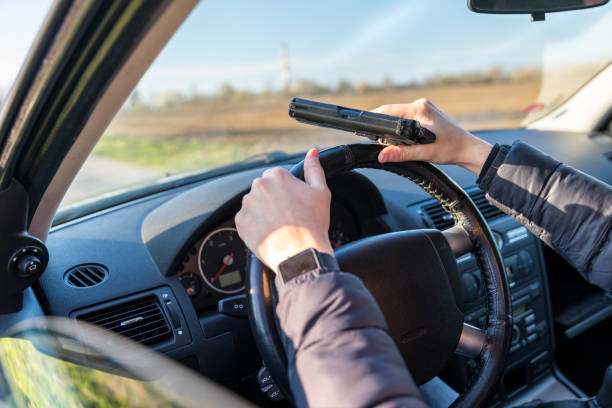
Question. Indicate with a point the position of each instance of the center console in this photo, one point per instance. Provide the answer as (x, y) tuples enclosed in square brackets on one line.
[(530, 355)]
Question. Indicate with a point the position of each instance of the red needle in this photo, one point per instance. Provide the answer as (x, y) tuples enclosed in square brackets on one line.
[(227, 261)]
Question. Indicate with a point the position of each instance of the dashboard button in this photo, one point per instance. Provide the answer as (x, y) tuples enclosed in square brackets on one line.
[(516, 334), (532, 337), (529, 319), (535, 289), (235, 306), (174, 314), (540, 363), (531, 328), (542, 328), (516, 234)]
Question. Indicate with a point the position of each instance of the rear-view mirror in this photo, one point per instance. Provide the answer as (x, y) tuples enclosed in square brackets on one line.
[(537, 8)]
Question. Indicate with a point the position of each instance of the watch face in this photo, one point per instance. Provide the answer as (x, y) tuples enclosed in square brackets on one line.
[(299, 264)]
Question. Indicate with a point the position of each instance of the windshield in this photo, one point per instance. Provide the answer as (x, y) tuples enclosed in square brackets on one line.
[(219, 91)]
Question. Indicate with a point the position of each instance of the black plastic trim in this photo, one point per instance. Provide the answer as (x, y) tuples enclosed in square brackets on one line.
[(29, 71), (479, 10)]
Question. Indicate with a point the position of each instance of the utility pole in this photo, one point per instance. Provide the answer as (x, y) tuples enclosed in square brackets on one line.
[(285, 68)]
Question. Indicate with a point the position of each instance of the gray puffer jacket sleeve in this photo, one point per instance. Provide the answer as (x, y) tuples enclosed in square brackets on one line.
[(339, 351), (569, 210)]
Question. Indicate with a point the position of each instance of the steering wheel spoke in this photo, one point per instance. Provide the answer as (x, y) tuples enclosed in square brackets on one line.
[(472, 341), (459, 240)]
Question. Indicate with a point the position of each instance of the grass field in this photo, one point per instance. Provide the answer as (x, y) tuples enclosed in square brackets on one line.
[(205, 135)]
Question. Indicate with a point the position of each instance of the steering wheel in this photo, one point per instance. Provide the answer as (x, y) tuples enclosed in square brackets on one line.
[(414, 278)]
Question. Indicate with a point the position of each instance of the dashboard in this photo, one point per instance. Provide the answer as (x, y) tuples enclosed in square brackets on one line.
[(179, 250)]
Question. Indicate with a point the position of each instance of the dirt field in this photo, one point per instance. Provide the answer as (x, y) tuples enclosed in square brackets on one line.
[(474, 106)]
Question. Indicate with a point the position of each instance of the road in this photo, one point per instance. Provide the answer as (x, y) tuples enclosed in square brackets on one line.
[(99, 175)]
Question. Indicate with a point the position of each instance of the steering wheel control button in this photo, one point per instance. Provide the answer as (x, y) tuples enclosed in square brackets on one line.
[(274, 394), (263, 377), (529, 319), (235, 306), (532, 337), (268, 386)]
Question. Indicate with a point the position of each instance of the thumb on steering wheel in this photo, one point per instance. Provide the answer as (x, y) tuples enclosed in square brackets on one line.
[(313, 172)]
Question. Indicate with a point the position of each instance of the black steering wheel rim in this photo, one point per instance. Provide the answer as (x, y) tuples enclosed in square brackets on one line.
[(490, 358)]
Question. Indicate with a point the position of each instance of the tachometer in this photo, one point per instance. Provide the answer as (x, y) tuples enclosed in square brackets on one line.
[(222, 261)]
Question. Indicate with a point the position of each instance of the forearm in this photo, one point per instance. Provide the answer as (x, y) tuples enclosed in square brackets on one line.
[(567, 209), (338, 347)]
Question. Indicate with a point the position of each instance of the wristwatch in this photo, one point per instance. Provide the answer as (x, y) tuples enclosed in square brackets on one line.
[(304, 262)]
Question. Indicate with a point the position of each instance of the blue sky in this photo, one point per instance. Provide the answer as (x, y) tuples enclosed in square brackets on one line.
[(238, 41), (19, 23)]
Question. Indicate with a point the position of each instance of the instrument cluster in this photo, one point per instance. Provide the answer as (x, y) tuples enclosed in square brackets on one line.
[(215, 266)]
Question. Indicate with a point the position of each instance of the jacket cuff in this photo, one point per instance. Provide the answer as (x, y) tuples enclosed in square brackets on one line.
[(489, 169)]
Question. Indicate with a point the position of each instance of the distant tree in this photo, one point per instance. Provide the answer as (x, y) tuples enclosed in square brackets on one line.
[(309, 87), (364, 87), (226, 91), (170, 99), (344, 86)]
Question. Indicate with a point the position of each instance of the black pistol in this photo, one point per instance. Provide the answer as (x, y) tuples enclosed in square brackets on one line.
[(375, 126)]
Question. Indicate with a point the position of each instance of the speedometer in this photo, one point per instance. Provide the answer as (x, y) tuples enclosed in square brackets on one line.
[(222, 261)]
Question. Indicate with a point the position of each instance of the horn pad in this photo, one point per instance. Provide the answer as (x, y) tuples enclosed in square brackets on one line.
[(414, 278)]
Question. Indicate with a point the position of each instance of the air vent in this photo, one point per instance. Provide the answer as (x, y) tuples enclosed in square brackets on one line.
[(442, 220), (142, 320), (488, 210), (86, 276)]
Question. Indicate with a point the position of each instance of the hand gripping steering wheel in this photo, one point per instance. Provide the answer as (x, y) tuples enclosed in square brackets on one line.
[(414, 278)]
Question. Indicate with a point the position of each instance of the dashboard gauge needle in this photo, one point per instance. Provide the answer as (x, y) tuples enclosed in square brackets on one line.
[(226, 261)]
